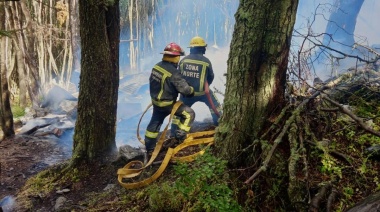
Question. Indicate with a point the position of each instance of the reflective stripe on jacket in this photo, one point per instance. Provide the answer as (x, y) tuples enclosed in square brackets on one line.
[(166, 83), (197, 68)]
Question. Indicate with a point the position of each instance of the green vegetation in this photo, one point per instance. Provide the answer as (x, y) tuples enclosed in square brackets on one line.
[(200, 186), (17, 111), (38, 186)]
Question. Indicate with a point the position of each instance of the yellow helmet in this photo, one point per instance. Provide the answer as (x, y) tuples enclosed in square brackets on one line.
[(197, 42)]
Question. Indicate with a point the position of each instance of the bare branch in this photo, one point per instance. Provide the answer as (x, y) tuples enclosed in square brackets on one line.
[(353, 116), (281, 135)]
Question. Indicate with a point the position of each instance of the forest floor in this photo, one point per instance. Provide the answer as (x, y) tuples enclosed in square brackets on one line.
[(24, 157)]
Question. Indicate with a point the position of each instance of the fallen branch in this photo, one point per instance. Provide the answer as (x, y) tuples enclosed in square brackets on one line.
[(275, 125), (368, 48), (353, 116), (276, 122), (329, 109), (278, 140), (295, 113), (34, 129)]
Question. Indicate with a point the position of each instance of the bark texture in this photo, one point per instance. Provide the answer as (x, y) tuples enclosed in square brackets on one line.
[(75, 39), (256, 74), (6, 116), (99, 80)]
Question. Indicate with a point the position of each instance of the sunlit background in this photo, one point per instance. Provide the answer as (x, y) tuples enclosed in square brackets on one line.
[(147, 26)]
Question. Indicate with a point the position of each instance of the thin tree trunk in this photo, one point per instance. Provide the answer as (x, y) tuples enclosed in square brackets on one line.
[(20, 52), (30, 56), (6, 116), (131, 43), (20, 67), (27, 71), (75, 39)]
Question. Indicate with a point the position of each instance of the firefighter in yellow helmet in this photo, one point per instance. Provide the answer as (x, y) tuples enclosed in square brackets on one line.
[(165, 83), (198, 72)]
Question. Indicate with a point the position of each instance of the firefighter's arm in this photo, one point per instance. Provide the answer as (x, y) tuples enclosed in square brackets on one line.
[(182, 86), (210, 74)]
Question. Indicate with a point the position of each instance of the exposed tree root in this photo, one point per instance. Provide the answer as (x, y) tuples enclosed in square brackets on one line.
[(326, 194), (331, 199), (321, 196)]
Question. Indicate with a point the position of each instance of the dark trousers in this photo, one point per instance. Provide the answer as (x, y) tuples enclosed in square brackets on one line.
[(189, 101), (184, 112), (192, 100)]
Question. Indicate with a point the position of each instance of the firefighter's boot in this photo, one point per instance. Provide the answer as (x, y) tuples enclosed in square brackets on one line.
[(150, 144), (180, 135)]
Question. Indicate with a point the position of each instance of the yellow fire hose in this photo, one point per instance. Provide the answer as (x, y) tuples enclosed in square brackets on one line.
[(135, 168)]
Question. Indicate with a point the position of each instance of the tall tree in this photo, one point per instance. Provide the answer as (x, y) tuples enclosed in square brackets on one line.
[(255, 87), (6, 116), (95, 128), (256, 73), (26, 62), (341, 26), (75, 39)]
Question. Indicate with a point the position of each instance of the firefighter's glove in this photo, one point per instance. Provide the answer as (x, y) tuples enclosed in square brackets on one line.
[(191, 94)]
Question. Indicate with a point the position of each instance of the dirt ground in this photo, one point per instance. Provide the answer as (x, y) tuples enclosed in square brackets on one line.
[(24, 156)]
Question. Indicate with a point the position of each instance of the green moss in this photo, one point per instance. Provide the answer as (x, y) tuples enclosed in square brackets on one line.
[(38, 186), (17, 111)]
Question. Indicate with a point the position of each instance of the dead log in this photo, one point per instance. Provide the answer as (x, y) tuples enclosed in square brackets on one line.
[(34, 129), (369, 204)]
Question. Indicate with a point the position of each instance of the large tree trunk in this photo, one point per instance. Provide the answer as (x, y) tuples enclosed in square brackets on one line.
[(6, 116), (256, 74), (95, 128), (255, 88)]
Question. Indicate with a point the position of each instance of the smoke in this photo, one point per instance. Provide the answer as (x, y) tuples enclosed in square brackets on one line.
[(178, 21), (55, 96), (313, 17), (218, 58), (171, 21), (7, 204)]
